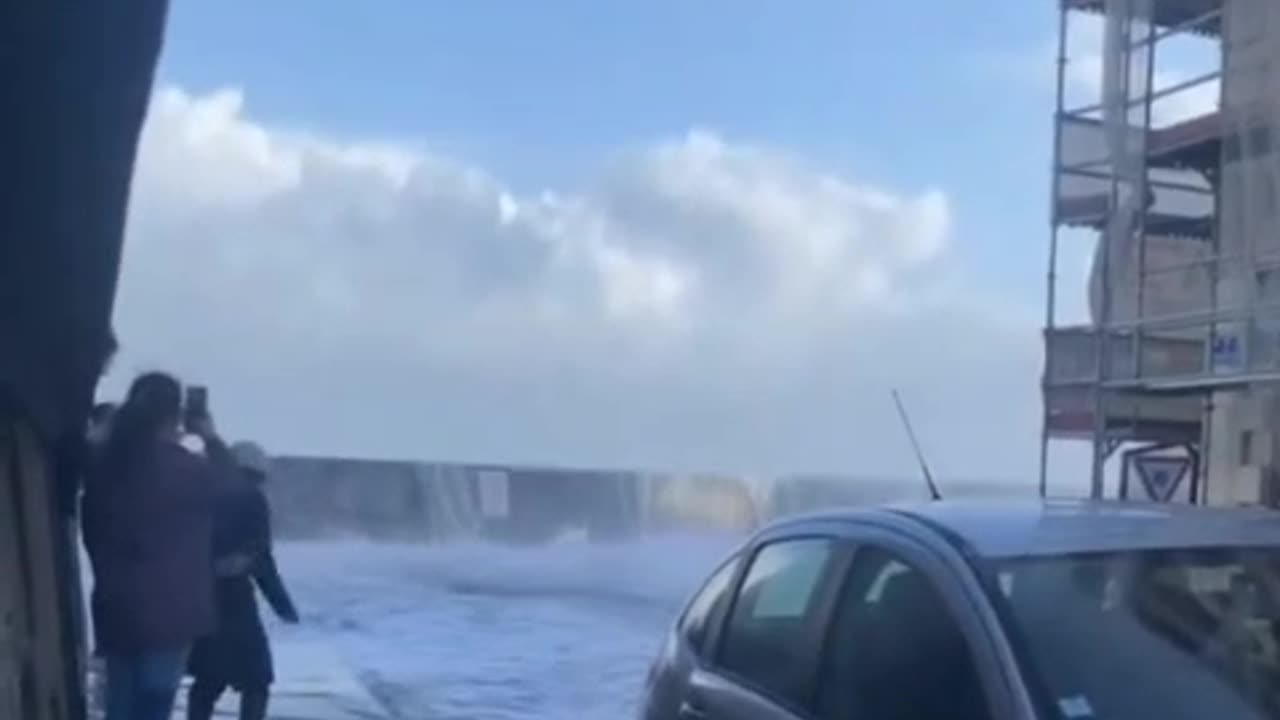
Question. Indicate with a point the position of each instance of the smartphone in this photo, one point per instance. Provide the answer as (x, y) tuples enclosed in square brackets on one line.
[(196, 407)]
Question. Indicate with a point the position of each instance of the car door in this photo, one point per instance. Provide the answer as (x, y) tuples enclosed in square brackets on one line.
[(905, 641), (687, 645), (764, 654)]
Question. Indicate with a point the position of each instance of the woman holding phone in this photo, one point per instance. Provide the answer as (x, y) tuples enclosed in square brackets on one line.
[(148, 528)]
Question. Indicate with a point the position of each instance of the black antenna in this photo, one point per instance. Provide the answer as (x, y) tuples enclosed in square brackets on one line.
[(915, 446)]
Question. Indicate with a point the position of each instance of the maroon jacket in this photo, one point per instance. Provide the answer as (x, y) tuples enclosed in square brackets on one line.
[(149, 539)]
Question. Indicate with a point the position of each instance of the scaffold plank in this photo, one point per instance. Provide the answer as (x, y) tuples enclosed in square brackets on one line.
[(1168, 13)]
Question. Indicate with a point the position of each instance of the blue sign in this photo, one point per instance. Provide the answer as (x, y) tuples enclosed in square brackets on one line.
[(1226, 352)]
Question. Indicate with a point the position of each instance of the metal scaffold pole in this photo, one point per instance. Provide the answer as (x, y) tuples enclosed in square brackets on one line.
[(1213, 272), (1116, 96), (1143, 191), (1051, 278)]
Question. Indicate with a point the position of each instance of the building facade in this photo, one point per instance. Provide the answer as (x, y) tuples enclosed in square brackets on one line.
[(1170, 171)]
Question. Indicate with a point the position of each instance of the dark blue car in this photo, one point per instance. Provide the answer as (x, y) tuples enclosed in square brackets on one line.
[(984, 611)]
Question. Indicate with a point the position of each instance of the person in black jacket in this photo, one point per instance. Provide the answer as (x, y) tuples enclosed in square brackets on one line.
[(238, 654)]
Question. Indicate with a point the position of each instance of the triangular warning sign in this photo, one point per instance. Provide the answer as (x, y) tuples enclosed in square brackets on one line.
[(1161, 475)]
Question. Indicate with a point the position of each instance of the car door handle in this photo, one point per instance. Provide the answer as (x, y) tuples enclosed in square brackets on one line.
[(691, 711)]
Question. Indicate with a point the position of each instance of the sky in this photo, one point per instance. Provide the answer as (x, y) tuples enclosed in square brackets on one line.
[(675, 235)]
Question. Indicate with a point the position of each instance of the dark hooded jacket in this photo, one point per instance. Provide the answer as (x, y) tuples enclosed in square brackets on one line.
[(238, 652), (149, 539)]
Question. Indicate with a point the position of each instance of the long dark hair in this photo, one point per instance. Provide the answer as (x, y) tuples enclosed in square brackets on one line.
[(154, 400)]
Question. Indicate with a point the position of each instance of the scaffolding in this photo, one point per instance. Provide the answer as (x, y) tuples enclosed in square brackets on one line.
[(1174, 175)]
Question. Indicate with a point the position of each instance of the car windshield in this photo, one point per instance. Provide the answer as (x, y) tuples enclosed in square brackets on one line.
[(1144, 634)]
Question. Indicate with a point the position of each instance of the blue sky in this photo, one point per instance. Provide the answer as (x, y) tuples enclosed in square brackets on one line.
[(698, 235), (925, 93)]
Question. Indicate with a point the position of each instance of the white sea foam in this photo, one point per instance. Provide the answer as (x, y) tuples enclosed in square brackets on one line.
[(489, 632)]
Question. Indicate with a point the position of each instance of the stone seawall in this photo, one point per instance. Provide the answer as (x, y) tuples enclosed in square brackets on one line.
[(319, 497), (325, 497)]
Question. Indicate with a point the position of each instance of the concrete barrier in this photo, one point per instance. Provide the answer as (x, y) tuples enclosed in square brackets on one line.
[(324, 497)]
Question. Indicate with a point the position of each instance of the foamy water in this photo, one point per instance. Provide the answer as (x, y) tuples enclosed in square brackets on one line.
[(487, 632)]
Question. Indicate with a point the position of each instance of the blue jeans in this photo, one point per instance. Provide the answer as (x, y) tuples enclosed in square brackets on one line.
[(143, 687)]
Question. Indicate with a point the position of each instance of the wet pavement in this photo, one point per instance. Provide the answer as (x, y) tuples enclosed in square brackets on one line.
[(490, 633), (477, 632), (315, 684)]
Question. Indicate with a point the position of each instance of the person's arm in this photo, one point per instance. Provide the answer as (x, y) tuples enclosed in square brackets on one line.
[(241, 560), (265, 572), (69, 468), (221, 462), (216, 480), (91, 525), (233, 565)]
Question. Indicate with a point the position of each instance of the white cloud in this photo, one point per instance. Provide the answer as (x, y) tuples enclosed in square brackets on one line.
[(698, 303)]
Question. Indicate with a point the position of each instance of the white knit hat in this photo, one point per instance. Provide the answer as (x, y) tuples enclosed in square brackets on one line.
[(250, 456)]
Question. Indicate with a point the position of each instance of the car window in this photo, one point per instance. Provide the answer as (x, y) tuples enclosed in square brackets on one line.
[(894, 650), (768, 641), (1193, 632), (706, 604)]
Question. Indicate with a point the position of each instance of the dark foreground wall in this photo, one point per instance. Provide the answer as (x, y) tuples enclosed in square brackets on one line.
[(74, 84)]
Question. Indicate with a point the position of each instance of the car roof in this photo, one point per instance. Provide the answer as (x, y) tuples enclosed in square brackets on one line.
[(1018, 528)]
